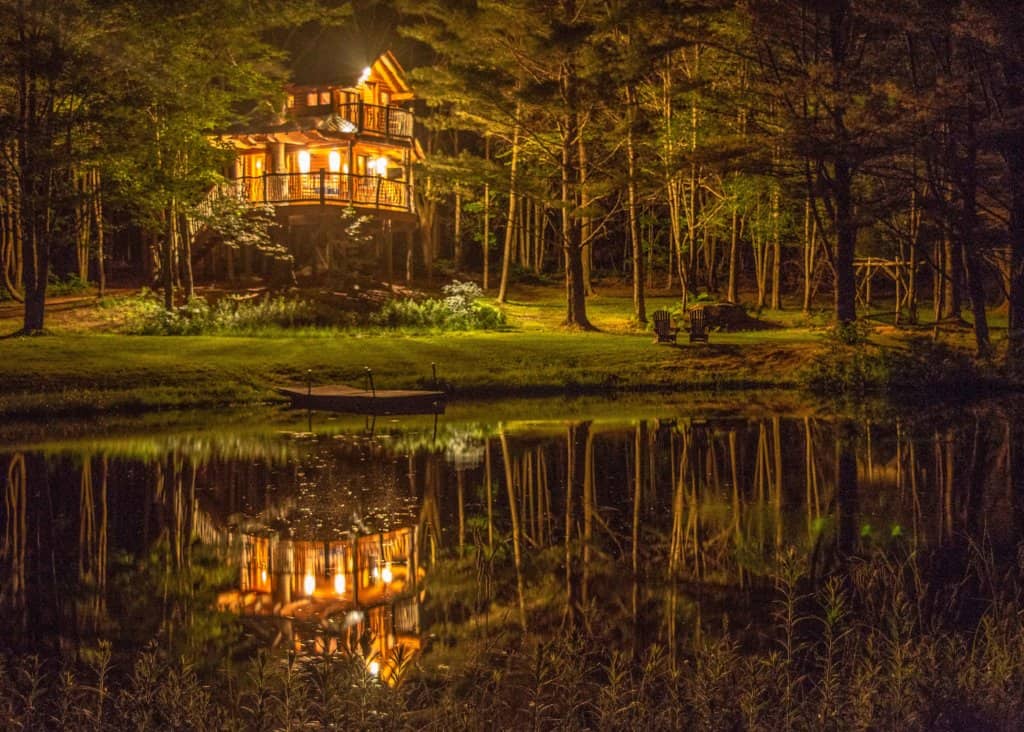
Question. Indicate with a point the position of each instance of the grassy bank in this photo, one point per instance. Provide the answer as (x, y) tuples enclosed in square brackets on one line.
[(83, 373), (85, 366)]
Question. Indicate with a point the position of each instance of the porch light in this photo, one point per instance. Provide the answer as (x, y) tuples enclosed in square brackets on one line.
[(339, 583), (374, 668), (334, 161), (309, 584), (386, 574), (364, 77), (259, 165), (263, 577), (303, 161)]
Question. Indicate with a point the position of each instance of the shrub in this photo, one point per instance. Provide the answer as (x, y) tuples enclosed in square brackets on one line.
[(147, 316), (70, 285), (458, 310), (852, 365)]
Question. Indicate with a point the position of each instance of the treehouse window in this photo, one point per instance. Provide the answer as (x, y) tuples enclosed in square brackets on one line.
[(311, 99), (325, 98), (291, 101)]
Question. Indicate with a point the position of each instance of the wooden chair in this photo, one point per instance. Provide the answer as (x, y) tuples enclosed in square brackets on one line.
[(698, 325), (663, 330)]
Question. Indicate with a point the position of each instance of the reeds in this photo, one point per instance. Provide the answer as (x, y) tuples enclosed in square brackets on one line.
[(872, 646)]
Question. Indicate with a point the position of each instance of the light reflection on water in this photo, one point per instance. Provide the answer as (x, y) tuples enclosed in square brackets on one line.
[(342, 535)]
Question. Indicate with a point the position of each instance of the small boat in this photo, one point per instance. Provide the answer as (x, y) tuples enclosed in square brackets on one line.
[(342, 398)]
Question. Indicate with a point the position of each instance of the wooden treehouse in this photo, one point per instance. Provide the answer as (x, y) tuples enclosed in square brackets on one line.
[(345, 144)]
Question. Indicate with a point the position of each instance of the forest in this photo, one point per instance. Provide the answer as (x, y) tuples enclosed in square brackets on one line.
[(770, 152)]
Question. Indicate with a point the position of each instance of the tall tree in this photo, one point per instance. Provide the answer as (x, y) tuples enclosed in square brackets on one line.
[(46, 49)]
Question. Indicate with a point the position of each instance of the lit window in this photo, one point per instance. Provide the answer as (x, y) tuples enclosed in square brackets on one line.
[(291, 101), (303, 161), (325, 98), (311, 99), (334, 161)]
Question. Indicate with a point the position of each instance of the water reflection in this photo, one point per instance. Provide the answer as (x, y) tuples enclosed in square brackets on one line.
[(651, 528)]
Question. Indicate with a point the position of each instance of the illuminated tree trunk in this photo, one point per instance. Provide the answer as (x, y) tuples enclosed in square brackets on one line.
[(639, 307), (572, 243), (513, 197)]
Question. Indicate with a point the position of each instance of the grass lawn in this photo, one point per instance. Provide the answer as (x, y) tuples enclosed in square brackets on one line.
[(82, 367)]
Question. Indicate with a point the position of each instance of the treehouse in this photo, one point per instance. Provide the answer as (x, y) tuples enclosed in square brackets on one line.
[(338, 145)]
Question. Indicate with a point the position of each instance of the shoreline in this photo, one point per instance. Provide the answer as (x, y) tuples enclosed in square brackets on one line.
[(73, 375)]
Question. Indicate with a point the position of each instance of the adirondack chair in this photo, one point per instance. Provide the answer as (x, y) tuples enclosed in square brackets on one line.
[(698, 325), (664, 332)]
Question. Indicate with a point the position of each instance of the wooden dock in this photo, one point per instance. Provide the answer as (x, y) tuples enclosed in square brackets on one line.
[(341, 398)]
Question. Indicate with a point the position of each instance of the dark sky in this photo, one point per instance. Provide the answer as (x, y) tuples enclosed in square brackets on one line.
[(324, 54)]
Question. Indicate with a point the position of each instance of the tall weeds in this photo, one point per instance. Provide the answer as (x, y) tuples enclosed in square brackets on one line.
[(873, 646)]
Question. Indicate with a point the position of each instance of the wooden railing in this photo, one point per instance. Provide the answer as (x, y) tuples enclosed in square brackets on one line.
[(360, 191), (378, 119)]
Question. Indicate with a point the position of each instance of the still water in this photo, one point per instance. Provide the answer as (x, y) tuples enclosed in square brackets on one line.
[(380, 537)]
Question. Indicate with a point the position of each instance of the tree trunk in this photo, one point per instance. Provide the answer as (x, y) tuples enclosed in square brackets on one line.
[(485, 238), (968, 242), (572, 243), (513, 197), (186, 256), (639, 307), (1014, 155), (846, 240), (167, 256), (776, 251)]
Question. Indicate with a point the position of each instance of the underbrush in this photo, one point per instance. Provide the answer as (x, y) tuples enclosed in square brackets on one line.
[(852, 365), (874, 645), (146, 315), (70, 285), (460, 309)]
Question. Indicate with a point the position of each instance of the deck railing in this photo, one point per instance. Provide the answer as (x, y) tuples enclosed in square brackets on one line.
[(382, 120), (360, 191)]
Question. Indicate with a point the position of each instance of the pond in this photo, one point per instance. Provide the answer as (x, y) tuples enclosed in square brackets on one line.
[(403, 541)]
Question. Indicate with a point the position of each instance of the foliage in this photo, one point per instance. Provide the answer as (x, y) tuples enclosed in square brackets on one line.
[(458, 310), (874, 646), (851, 365), (237, 224), (147, 316), (71, 285)]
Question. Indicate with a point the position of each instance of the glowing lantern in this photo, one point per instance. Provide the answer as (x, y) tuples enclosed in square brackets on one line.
[(334, 161), (374, 668), (386, 574), (339, 583), (309, 584), (303, 161), (263, 577)]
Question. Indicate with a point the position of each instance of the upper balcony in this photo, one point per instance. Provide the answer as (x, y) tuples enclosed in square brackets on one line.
[(361, 118)]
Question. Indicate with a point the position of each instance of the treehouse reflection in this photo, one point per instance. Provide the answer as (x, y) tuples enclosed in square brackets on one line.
[(355, 595)]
